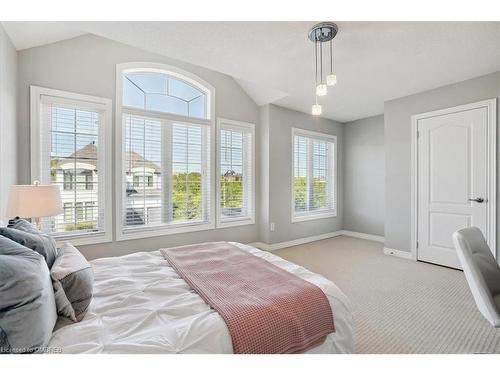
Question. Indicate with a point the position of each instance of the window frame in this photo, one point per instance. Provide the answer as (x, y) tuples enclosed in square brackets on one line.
[(70, 183), (123, 234), (89, 102), (223, 123), (68, 206), (320, 214)]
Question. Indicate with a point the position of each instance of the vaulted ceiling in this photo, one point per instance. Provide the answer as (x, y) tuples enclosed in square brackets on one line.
[(273, 61)]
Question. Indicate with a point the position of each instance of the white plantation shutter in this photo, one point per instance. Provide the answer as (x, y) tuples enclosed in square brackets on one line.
[(71, 149), (142, 160), (235, 175), (166, 173), (314, 170), (190, 175)]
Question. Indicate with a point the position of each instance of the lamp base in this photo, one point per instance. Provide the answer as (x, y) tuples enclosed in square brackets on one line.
[(36, 221)]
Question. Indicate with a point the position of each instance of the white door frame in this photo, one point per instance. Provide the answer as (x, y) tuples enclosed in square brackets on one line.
[(490, 104)]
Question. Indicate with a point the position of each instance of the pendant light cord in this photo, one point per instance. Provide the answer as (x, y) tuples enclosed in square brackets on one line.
[(331, 56), (321, 61), (316, 60)]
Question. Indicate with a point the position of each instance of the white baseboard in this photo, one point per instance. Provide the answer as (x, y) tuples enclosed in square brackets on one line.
[(398, 253), (298, 241), (364, 236), (324, 236), (258, 245)]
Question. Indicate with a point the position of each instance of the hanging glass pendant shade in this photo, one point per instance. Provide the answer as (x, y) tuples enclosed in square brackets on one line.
[(331, 80), (316, 110), (321, 90)]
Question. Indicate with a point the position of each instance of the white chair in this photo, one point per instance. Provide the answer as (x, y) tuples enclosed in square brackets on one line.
[(481, 271)]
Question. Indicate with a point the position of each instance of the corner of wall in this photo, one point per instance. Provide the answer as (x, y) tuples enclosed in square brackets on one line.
[(364, 176), (264, 177), (8, 119)]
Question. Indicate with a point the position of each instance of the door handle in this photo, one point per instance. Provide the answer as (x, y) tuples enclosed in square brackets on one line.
[(478, 200)]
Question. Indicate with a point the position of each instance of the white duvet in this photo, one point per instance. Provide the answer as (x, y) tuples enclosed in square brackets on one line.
[(141, 305)]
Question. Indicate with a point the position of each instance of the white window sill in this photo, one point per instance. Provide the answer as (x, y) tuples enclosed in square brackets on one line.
[(313, 216), (156, 231), (83, 238), (228, 223)]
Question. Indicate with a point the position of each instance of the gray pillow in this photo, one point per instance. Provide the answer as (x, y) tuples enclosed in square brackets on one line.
[(73, 281), (23, 225), (32, 238), (27, 303)]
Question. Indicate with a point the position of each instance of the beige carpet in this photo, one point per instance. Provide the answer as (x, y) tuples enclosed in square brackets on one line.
[(399, 306)]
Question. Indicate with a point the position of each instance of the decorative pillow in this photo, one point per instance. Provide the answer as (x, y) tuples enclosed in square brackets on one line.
[(28, 235), (23, 225), (27, 304), (73, 279)]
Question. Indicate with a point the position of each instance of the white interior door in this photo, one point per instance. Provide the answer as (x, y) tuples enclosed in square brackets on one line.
[(452, 181)]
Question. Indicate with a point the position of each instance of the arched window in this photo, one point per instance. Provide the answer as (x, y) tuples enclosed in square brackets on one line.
[(163, 92), (167, 125)]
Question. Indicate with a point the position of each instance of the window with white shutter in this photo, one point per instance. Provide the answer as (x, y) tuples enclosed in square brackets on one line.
[(314, 175), (235, 173), (71, 148), (164, 147)]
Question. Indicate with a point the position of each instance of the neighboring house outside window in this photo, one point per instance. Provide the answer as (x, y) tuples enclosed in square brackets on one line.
[(314, 175), (68, 178), (68, 212), (137, 180), (79, 213), (79, 187), (89, 179), (142, 179)]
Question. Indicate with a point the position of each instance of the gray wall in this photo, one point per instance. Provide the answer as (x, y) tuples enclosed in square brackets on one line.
[(263, 140), (397, 130), (364, 176), (8, 119), (281, 121), (87, 65)]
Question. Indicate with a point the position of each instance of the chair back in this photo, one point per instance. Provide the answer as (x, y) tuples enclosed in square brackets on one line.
[(481, 271)]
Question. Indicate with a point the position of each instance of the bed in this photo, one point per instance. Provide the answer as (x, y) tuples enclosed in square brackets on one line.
[(141, 305)]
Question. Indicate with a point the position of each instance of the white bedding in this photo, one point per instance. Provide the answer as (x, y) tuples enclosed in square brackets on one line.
[(141, 305)]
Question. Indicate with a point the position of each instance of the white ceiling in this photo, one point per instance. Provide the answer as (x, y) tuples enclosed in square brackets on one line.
[(273, 61), (31, 34)]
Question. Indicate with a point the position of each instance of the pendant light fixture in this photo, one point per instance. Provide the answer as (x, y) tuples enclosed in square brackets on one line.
[(322, 33)]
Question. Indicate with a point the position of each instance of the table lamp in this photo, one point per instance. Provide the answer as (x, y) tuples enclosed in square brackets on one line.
[(34, 201)]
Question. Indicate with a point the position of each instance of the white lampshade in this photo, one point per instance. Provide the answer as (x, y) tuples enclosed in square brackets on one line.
[(321, 90), (34, 201), (331, 80), (316, 110)]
